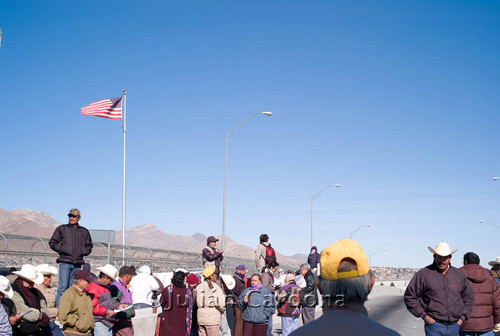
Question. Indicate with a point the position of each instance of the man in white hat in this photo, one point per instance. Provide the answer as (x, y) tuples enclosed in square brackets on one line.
[(440, 294), (102, 303), (6, 293), (495, 269), (29, 300), (46, 289)]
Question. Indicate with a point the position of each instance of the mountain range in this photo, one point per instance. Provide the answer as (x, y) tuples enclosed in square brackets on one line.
[(32, 223)]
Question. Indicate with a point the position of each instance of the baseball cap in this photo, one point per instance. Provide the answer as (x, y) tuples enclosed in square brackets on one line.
[(82, 275), (208, 271), (241, 268), (212, 239), (74, 212), (335, 253)]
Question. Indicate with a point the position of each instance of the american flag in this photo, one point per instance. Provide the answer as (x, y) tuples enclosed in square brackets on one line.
[(110, 108)]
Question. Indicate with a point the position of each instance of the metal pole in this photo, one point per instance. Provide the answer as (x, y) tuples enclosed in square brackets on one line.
[(313, 197), (124, 161), (311, 222), (224, 197)]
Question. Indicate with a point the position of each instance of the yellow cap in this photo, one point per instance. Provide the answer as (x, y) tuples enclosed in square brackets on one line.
[(333, 255), (208, 271)]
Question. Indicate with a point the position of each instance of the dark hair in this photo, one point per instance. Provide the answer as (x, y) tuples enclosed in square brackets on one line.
[(273, 264), (102, 275), (124, 270), (264, 238), (256, 275), (178, 279), (471, 258)]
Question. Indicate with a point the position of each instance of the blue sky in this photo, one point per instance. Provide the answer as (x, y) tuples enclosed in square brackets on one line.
[(397, 101)]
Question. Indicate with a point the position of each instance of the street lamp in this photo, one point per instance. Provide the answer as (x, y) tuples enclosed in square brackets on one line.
[(228, 133), (353, 232), (370, 257), (492, 224), (496, 178), (313, 197)]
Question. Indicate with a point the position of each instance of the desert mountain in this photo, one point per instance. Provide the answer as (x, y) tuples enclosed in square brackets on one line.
[(32, 223)]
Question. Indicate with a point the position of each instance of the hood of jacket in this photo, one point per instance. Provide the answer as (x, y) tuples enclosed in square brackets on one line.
[(476, 273)]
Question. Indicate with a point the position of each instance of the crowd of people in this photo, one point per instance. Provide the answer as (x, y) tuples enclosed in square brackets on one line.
[(451, 301)]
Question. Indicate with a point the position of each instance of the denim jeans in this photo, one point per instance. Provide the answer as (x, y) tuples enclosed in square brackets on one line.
[(270, 326), (473, 333), (288, 324), (100, 329), (440, 329), (66, 272)]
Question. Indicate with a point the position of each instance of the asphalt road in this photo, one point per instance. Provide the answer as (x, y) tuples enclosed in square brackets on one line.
[(386, 306)]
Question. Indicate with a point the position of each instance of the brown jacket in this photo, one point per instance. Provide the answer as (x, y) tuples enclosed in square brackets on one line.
[(486, 311), (50, 298), (75, 312)]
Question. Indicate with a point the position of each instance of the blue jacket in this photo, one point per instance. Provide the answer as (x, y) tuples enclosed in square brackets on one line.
[(261, 305)]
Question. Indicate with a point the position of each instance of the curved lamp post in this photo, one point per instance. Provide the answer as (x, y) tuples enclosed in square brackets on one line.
[(492, 224), (353, 232), (496, 178), (370, 257), (313, 197), (228, 133)]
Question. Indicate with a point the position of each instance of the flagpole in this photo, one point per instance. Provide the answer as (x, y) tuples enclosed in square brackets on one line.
[(124, 160)]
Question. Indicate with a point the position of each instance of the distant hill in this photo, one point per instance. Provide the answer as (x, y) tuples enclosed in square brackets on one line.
[(32, 223)]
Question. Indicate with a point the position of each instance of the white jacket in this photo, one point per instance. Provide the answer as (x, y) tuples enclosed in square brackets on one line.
[(142, 285)]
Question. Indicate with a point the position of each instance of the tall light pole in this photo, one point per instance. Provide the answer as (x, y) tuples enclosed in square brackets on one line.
[(353, 232), (370, 257), (313, 197), (496, 178), (228, 133)]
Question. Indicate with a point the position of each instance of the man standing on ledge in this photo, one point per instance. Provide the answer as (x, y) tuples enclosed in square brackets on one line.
[(440, 294), (212, 256), (72, 242)]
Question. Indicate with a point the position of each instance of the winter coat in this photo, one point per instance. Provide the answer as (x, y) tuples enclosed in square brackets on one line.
[(444, 297), (75, 312), (50, 298), (486, 310), (142, 285), (313, 259), (309, 294), (177, 307), (260, 256), (212, 258), (211, 303), (101, 303), (29, 322), (267, 278), (289, 300), (261, 305), (72, 242)]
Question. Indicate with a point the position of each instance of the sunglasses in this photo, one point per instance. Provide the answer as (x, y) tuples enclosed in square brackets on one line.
[(72, 216)]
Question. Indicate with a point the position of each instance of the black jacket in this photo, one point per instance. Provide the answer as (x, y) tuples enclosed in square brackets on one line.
[(309, 294), (72, 242)]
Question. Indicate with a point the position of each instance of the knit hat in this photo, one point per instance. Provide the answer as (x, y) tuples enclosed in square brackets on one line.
[(289, 278), (82, 275), (192, 279), (335, 253)]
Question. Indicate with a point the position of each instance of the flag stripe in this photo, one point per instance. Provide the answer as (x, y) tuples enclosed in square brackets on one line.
[(110, 108)]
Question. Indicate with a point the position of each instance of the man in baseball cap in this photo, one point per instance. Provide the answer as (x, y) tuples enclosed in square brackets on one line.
[(212, 256), (345, 282), (440, 294), (72, 242)]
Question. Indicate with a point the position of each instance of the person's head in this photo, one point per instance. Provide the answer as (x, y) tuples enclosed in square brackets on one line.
[(48, 272), (209, 275), (212, 241), (345, 275), (273, 266), (471, 258), (289, 278), (313, 249), (74, 216), (495, 264), (241, 269), (256, 279), (29, 275), (5, 288), (192, 280), (107, 274), (82, 280), (305, 268), (264, 238), (178, 279), (125, 274), (442, 256)]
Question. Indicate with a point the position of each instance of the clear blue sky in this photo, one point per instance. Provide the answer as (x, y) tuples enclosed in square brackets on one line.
[(397, 101)]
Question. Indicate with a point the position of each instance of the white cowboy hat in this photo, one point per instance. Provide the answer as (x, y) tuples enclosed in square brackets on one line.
[(30, 273), (109, 270), (493, 263), (228, 280), (442, 249), (5, 287), (181, 270), (45, 269)]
